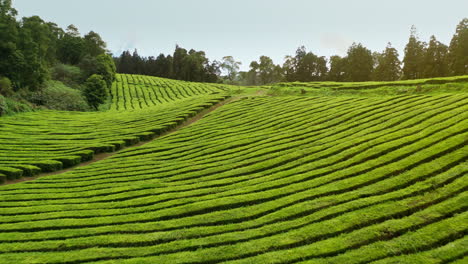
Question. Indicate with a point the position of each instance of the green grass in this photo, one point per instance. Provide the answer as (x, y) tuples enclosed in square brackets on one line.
[(372, 89), (52, 140), (282, 179)]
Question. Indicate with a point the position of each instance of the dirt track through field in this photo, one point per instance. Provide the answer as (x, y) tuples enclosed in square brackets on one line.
[(101, 156)]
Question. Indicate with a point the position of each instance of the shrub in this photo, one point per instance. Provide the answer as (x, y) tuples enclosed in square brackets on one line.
[(5, 86), (11, 173), (68, 74), (95, 90), (57, 95), (102, 65), (9, 106)]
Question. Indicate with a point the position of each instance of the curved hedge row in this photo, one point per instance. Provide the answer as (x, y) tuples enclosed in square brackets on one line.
[(131, 92), (48, 141), (371, 84), (263, 180)]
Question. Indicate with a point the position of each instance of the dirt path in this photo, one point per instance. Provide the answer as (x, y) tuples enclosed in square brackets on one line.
[(101, 156)]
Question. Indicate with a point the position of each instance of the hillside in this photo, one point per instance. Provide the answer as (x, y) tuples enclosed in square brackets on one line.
[(314, 177), (47, 141)]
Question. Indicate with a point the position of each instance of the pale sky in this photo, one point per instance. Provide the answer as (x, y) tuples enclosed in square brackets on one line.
[(247, 29)]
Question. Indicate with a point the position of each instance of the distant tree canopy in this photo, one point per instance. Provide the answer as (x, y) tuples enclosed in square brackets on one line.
[(262, 72), (421, 60), (305, 66), (184, 65), (435, 63), (458, 50), (231, 67), (387, 65)]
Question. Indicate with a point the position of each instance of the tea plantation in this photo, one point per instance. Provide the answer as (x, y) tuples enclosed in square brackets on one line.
[(47, 141), (262, 179)]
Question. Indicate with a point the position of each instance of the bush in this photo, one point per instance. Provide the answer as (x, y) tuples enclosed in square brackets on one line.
[(58, 96), (102, 65), (9, 106), (5, 86), (95, 90), (68, 74)]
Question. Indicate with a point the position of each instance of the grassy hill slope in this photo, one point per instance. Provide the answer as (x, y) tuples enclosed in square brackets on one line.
[(263, 180), (142, 108)]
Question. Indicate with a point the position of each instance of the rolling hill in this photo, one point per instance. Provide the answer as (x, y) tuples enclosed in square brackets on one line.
[(311, 178)]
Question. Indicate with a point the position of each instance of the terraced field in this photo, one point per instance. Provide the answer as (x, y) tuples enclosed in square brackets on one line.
[(133, 92), (261, 180), (48, 141)]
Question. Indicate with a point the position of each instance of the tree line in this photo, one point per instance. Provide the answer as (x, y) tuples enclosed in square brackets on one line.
[(185, 65), (421, 60), (34, 51)]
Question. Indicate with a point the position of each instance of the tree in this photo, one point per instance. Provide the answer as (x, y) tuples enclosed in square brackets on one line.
[(34, 71), (43, 37), (71, 48), (11, 58), (252, 74), (163, 66), (337, 69), (5, 86), (266, 69), (102, 65), (458, 50), (289, 68), (413, 62), (308, 66), (178, 62), (435, 59), (188, 66), (94, 45), (95, 90), (359, 64), (212, 71), (106, 68), (388, 65), (123, 63), (305, 66), (231, 66), (263, 72)]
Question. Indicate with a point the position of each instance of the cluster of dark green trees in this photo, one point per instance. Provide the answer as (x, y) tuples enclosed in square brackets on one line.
[(184, 65), (33, 51), (421, 60)]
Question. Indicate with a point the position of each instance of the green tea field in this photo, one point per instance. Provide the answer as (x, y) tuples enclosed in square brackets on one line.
[(353, 174)]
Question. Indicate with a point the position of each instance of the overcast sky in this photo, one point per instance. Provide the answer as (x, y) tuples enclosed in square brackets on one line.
[(247, 29)]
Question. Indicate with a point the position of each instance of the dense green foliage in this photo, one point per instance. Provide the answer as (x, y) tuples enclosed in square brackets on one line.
[(388, 65), (421, 60), (9, 106), (5, 86), (182, 65), (96, 90), (315, 180), (33, 51), (458, 50), (58, 96)]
